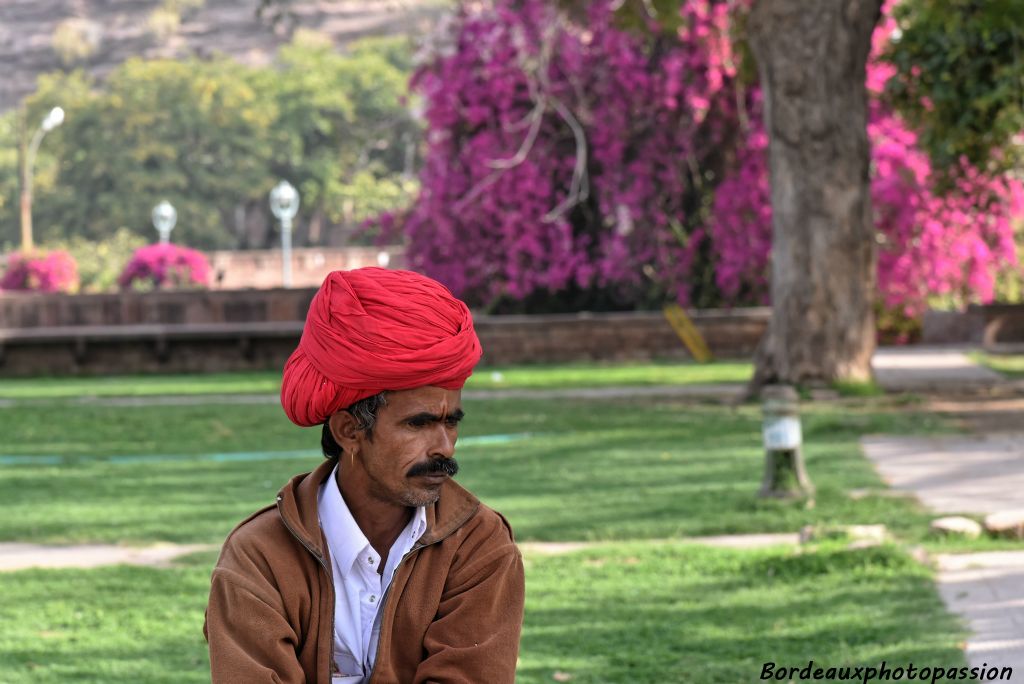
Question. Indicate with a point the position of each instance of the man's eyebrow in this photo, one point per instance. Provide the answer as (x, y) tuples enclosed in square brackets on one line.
[(427, 417)]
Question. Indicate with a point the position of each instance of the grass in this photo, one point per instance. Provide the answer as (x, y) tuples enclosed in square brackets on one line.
[(617, 613), (1010, 365), (677, 613), (497, 377), (622, 472), (604, 470), (140, 385)]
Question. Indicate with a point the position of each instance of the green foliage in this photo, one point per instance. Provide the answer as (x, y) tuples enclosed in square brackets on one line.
[(100, 262), (960, 78), (341, 124), (75, 39), (395, 50), (8, 179), (212, 137), (1010, 283)]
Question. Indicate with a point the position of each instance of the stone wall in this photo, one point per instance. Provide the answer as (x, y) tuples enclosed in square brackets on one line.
[(211, 331), (261, 269), (995, 327), (184, 307)]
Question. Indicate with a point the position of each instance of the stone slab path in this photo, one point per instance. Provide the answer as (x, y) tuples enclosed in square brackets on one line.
[(17, 556), (987, 589), (725, 541), (973, 475), (954, 474), (931, 369)]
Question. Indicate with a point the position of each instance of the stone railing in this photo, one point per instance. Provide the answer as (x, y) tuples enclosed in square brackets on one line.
[(995, 327), (207, 331)]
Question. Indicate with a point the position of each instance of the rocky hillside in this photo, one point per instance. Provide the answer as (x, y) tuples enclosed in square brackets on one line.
[(37, 36)]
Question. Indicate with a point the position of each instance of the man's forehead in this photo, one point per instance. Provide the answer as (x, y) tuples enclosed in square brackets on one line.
[(436, 400)]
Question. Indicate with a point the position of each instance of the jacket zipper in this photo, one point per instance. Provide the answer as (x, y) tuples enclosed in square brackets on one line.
[(384, 598), (330, 576), (323, 564)]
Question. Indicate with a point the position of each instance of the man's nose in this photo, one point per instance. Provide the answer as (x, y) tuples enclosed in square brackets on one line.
[(444, 442)]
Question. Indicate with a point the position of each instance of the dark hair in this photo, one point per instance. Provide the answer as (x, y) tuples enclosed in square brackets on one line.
[(365, 413)]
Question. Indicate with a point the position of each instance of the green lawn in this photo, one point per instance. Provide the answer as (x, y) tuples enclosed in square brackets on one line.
[(626, 471), (628, 613), (1010, 365), (498, 377), (569, 471)]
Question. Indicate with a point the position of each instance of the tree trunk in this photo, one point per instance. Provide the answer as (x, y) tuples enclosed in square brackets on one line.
[(811, 60)]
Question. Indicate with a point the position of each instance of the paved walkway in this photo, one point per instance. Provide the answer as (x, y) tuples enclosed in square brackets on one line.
[(954, 474), (17, 556), (971, 475), (931, 369), (987, 590)]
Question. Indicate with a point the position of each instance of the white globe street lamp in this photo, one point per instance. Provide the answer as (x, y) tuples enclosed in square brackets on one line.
[(164, 218), (284, 203), (53, 119)]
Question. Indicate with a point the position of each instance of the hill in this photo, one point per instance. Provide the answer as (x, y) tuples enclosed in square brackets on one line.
[(37, 36)]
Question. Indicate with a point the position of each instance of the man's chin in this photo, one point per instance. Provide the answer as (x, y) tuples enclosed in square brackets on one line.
[(423, 496)]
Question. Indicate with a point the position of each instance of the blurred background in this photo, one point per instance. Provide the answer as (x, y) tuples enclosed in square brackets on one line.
[(661, 212)]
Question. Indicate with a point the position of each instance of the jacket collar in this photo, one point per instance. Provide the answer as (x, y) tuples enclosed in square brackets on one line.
[(297, 504)]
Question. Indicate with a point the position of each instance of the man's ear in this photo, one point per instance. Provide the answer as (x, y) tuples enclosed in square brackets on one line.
[(346, 431)]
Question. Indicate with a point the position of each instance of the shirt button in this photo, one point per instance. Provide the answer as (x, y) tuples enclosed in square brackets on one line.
[(370, 561), (372, 598)]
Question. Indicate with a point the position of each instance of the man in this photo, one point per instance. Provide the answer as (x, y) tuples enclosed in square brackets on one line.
[(376, 566)]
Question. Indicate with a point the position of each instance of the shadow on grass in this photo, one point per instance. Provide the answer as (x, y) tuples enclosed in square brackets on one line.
[(688, 614), (620, 613), (116, 624), (592, 470)]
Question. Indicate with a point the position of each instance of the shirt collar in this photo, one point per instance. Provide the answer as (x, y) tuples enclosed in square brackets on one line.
[(345, 539)]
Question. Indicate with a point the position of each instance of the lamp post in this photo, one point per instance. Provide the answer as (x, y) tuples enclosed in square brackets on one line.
[(284, 203), (164, 218), (50, 121)]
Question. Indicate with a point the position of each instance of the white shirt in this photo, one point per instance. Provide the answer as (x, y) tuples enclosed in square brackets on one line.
[(358, 587)]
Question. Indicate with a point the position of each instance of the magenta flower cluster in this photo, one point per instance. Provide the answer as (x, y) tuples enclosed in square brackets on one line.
[(558, 152), (952, 243), (578, 154), (54, 271), (165, 266)]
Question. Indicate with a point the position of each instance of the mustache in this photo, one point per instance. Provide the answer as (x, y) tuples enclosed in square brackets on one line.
[(448, 466)]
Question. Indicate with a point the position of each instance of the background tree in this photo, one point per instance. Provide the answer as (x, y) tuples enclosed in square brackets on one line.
[(812, 65), (598, 159), (568, 161), (959, 79), (212, 137), (341, 128)]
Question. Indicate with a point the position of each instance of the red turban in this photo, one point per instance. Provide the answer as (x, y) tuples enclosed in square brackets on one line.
[(371, 330)]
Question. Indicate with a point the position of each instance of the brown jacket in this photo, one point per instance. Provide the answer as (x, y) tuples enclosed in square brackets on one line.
[(452, 613)]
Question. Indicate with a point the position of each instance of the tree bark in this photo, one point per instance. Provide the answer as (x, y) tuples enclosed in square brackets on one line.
[(811, 60)]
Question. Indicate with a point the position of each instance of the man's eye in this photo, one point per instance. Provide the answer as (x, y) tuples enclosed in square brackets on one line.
[(417, 422), (452, 422)]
